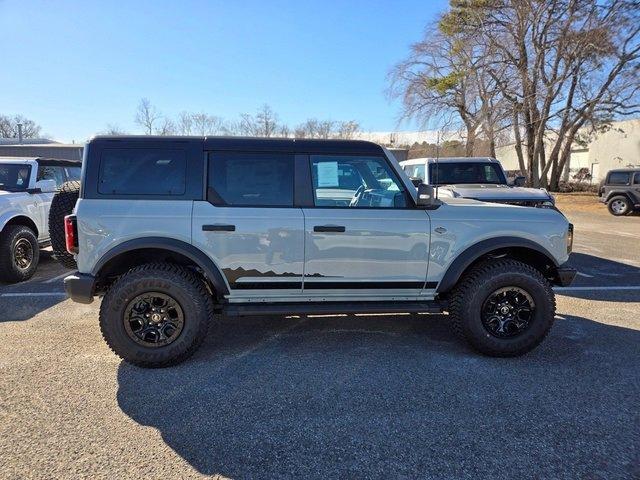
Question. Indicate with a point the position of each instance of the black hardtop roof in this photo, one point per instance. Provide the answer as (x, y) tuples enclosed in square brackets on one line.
[(248, 143), (625, 170), (58, 162)]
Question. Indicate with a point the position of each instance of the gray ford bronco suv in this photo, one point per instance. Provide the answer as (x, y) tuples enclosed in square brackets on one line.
[(172, 230)]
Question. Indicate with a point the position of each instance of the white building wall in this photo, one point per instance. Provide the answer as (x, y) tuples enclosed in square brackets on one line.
[(619, 147)]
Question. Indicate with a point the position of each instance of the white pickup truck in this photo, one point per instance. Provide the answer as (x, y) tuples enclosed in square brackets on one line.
[(27, 186)]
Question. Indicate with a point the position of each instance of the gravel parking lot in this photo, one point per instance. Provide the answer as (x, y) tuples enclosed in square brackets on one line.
[(393, 396)]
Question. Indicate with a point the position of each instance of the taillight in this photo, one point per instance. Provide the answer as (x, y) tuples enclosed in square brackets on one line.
[(71, 233)]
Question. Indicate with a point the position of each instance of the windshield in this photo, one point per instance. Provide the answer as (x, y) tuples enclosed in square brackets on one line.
[(415, 171), (465, 172), (14, 177)]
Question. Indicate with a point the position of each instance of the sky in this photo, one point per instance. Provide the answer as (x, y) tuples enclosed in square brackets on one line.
[(76, 66)]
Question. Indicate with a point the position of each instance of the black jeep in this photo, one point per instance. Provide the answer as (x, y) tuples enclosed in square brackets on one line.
[(620, 191)]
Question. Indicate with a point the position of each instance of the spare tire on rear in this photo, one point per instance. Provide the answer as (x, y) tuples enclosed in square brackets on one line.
[(62, 205)]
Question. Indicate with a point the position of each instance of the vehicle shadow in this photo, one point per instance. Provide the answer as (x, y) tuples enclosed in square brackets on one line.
[(394, 396), (602, 272), (16, 303)]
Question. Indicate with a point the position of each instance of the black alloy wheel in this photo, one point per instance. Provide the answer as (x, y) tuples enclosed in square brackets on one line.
[(507, 312), (153, 319)]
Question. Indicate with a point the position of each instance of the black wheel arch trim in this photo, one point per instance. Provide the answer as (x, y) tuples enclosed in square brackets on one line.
[(618, 193), (210, 269), (477, 250)]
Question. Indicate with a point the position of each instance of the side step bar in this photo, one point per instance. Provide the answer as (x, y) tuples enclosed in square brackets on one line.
[(328, 308)]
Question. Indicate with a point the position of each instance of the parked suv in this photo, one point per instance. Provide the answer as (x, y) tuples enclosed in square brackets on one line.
[(172, 230), (620, 191), (480, 178), (27, 186)]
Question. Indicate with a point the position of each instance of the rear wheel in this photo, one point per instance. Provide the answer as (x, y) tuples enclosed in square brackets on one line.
[(156, 315), (19, 253), (502, 308), (619, 206)]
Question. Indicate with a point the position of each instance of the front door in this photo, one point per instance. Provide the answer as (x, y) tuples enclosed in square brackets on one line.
[(363, 237), (249, 226)]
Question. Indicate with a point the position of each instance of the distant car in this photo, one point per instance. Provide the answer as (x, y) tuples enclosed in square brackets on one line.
[(27, 186), (620, 191), (479, 178)]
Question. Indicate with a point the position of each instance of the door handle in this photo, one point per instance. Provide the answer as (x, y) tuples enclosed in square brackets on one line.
[(218, 227), (328, 228)]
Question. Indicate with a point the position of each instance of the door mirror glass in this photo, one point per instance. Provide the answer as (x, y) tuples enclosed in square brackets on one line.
[(416, 181), (426, 195), (46, 186)]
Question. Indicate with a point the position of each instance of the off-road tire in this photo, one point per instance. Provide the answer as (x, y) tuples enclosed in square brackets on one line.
[(9, 271), (468, 297), (62, 205), (178, 282), (619, 198)]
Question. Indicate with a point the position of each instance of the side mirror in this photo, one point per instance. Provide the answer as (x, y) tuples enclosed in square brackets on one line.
[(519, 181), (426, 195), (46, 186), (416, 181)]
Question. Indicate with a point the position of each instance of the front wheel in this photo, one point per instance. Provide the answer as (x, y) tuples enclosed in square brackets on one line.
[(156, 315), (502, 308), (19, 253)]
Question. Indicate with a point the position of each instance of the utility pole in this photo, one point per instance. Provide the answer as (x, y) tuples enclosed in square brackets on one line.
[(20, 134)]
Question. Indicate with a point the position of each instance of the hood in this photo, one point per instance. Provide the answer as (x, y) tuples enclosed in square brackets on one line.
[(500, 193)]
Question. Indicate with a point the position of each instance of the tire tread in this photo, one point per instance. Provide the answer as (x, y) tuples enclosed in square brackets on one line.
[(181, 274)]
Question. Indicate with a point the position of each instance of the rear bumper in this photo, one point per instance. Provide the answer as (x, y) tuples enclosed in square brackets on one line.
[(80, 287), (565, 275)]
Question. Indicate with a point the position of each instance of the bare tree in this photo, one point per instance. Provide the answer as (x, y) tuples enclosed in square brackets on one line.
[(185, 123), (147, 116), (165, 127), (347, 130), (9, 127), (435, 81), (308, 129), (266, 121), (563, 66), (113, 129), (284, 131), (263, 124), (325, 128)]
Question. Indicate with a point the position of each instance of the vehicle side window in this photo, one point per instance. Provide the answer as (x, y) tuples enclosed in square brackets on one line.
[(355, 182), (51, 173), (251, 179), (619, 178), (139, 171), (415, 171), (491, 174), (73, 173), (636, 179)]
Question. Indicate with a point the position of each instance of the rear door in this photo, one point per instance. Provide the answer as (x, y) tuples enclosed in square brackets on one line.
[(249, 226), (364, 237)]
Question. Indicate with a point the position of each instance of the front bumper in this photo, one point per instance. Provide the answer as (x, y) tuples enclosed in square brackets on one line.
[(565, 275), (80, 287)]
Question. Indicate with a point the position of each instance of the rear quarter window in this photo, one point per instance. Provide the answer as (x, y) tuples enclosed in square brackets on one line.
[(619, 178), (139, 171)]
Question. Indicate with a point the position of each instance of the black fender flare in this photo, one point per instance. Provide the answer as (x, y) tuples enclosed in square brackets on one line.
[(477, 250), (618, 193), (197, 256)]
